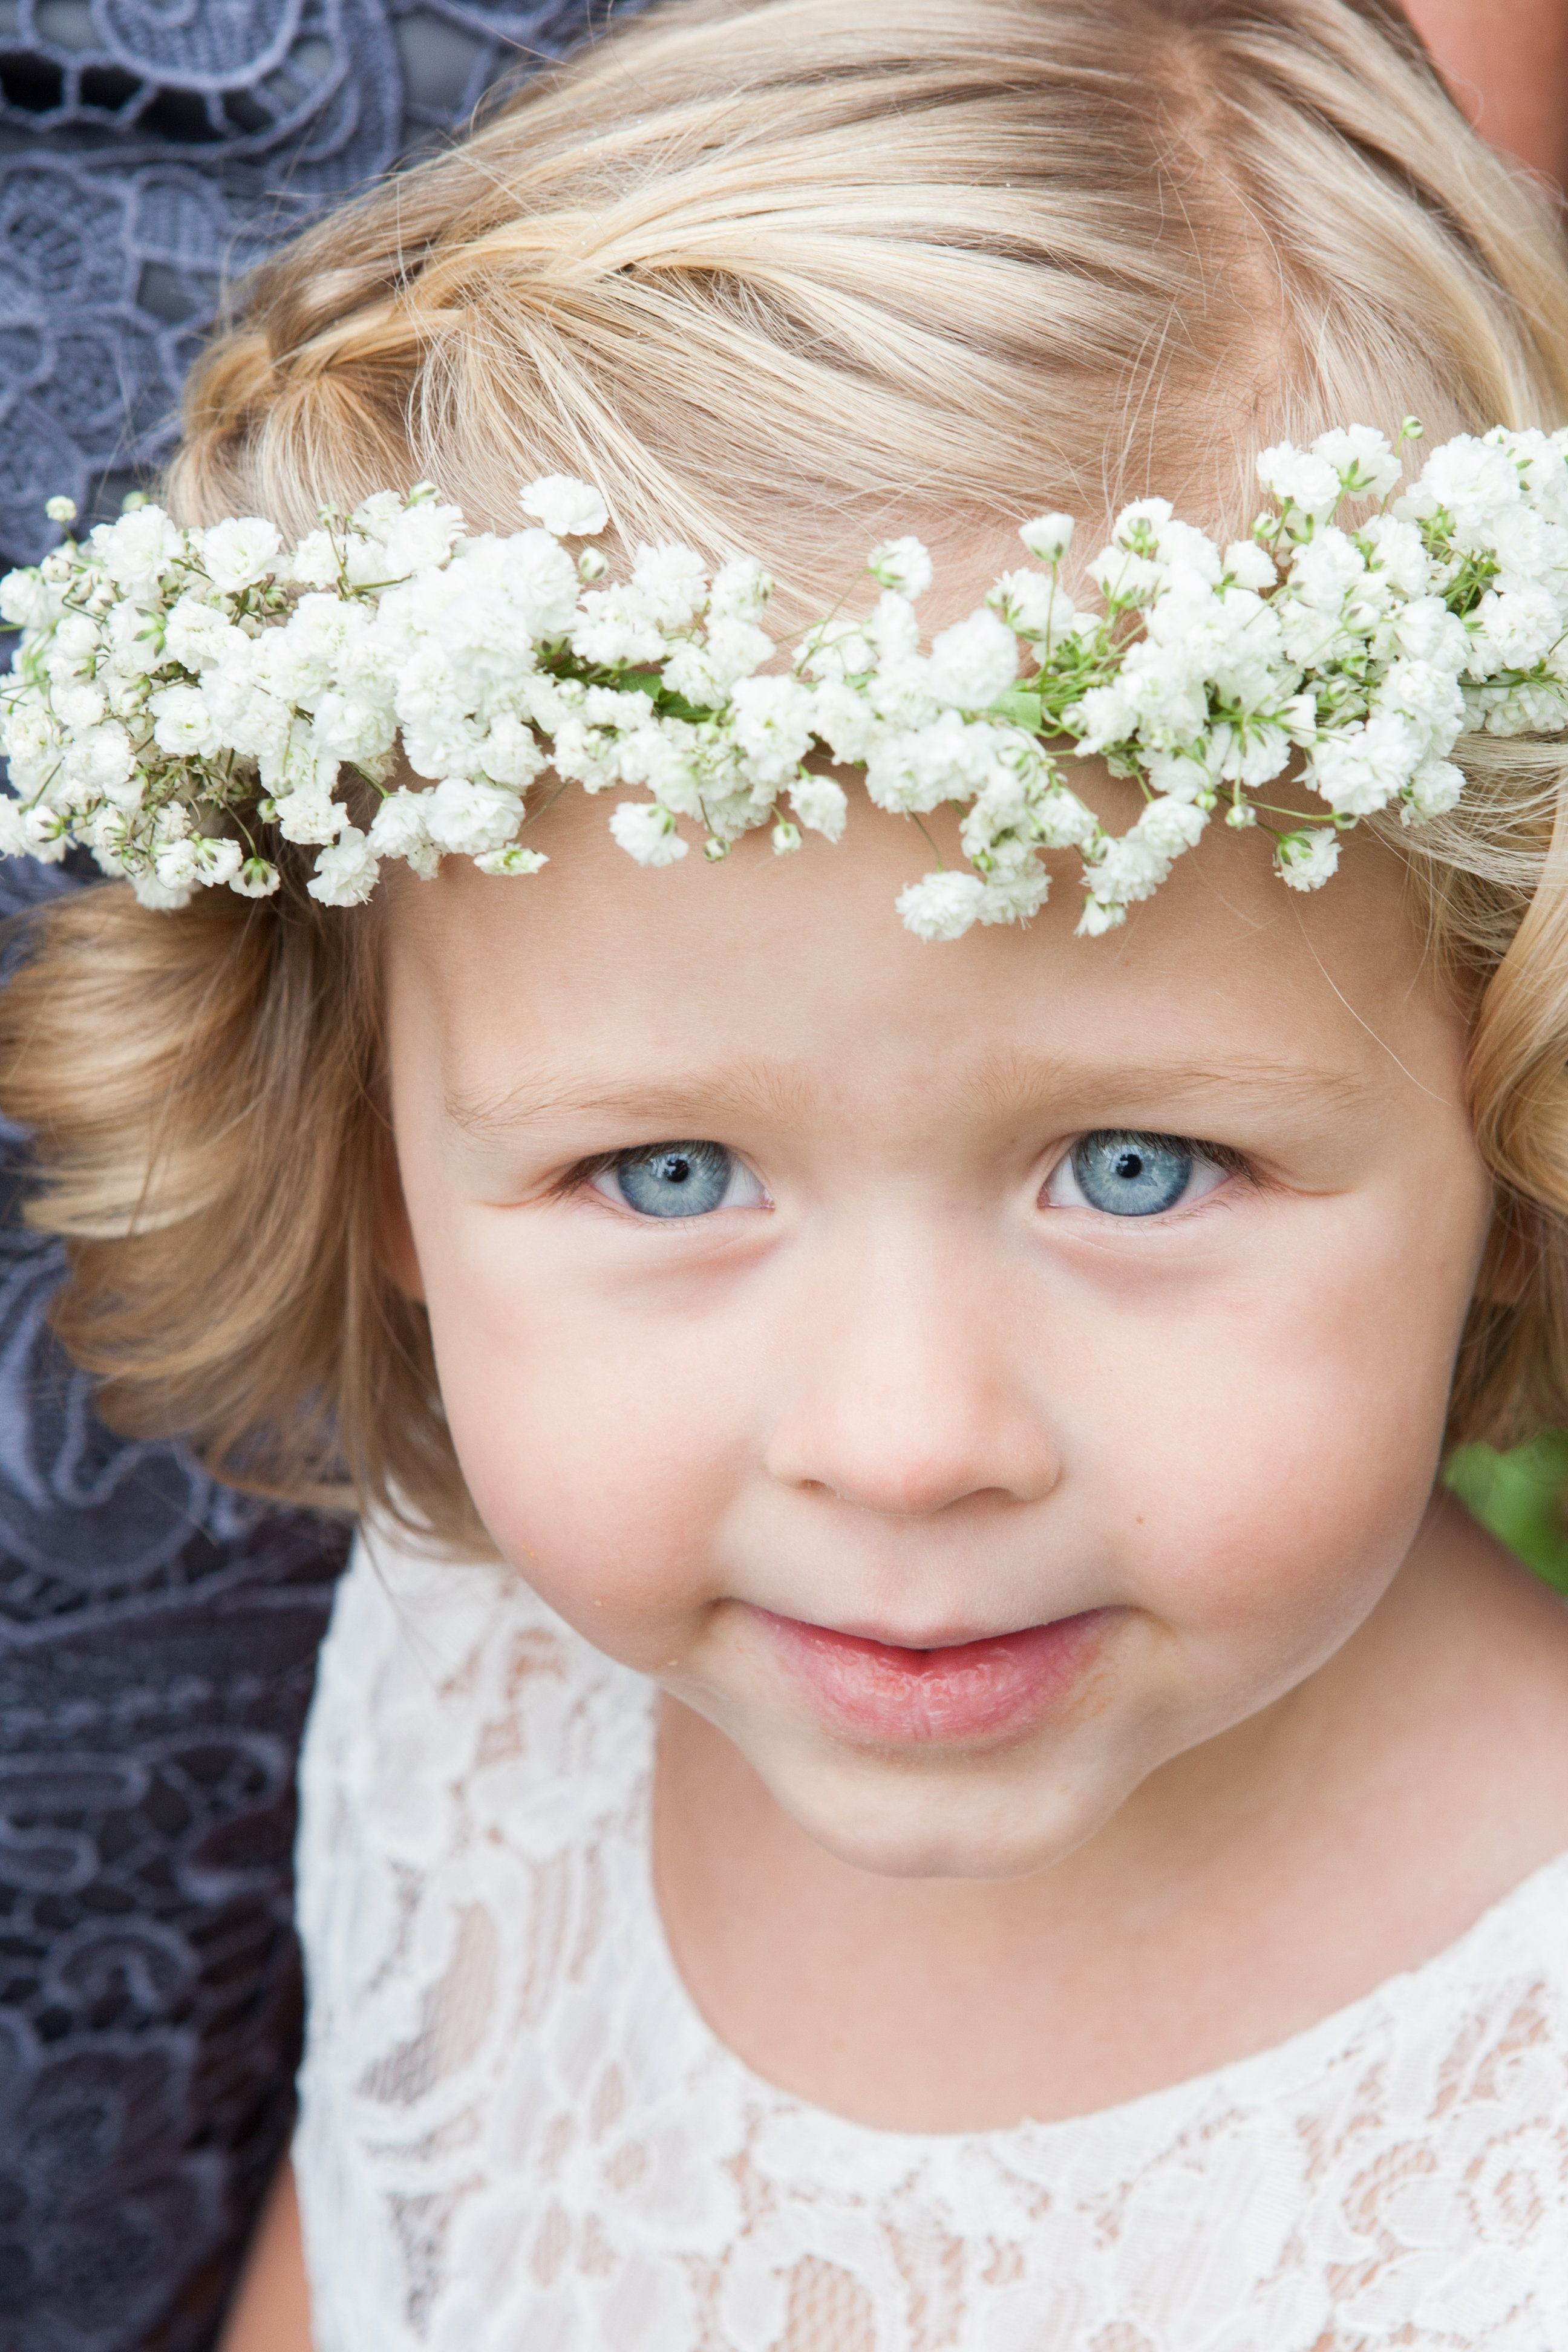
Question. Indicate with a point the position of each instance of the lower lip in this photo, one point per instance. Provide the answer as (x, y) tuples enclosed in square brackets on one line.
[(969, 1691)]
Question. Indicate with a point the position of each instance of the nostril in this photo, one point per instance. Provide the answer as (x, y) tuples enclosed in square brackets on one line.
[(922, 1491)]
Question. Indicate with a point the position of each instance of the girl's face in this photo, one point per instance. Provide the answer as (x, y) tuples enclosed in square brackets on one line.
[(970, 1375)]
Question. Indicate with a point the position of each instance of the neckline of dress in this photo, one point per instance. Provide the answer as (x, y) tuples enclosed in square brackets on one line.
[(1269, 2072)]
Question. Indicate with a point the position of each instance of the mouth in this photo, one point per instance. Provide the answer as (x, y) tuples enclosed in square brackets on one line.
[(960, 1692)]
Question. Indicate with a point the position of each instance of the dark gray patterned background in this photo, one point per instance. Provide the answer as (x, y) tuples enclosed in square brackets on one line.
[(157, 1635)]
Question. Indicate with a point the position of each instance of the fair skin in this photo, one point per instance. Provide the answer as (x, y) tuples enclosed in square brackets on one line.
[(1506, 62), (1291, 1725)]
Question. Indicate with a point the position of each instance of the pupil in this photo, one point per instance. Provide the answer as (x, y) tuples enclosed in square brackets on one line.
[(1129, 1164), (676, 1170)]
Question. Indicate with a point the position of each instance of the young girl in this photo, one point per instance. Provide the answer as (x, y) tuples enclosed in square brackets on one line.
[(971, 1791)]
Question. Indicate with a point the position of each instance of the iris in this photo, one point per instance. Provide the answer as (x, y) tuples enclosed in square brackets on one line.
[(1130, 1175), (674, 1180)]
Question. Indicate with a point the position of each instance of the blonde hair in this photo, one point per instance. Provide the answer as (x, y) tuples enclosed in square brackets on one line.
[(779, 277)]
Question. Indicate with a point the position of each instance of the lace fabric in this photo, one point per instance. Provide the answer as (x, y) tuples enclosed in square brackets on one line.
[(148, 152), (516, 2129)]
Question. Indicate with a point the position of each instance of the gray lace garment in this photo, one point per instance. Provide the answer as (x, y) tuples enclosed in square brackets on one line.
[(157, 1634)]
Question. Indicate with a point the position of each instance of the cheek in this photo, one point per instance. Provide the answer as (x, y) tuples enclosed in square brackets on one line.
[(602, 1448), (1277, 1484)]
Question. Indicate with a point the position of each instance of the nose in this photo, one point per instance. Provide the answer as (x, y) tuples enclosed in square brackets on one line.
[(910, 1394)]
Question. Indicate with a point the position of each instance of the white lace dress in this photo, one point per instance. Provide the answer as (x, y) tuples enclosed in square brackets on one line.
[(519, 2136)]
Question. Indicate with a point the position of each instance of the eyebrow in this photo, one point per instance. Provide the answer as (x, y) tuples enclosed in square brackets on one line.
[(1007, 1084), (1010, 1082)]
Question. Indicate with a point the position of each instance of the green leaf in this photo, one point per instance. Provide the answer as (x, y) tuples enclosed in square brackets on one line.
[(1019, 706), (1519, 1497)]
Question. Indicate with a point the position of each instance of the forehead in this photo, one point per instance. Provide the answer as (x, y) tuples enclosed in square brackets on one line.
[(597, 965)]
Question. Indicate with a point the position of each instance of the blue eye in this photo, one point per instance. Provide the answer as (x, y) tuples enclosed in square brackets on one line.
[(678, 1180), (1125, 1174)]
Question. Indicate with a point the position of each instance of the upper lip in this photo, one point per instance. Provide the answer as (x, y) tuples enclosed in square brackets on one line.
[(936, 1637)]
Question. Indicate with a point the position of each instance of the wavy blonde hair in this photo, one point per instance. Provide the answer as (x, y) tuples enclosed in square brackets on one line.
[(779, 277)]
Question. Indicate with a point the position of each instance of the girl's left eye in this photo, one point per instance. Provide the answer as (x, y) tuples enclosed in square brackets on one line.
[(1124, 1173), (678, 1180)]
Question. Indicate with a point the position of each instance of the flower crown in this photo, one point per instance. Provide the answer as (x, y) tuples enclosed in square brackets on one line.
[(174, 689)]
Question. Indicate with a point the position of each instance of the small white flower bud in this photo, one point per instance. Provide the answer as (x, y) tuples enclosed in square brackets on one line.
[(591, 565), (1306, 860), (785, 838), (1047, 537), (60, 509), (901, 564)]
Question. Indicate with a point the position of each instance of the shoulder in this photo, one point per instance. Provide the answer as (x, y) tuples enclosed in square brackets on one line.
[(448, 1640), (468, 1787), (451, 1695)]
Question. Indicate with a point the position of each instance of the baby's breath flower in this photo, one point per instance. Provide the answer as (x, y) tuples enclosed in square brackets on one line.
[(1249, 566), (60, 509), (514, 859), (314, 562), (820, 805), (185, 724), (468, 818), (773, 725), (974, 662), (1299, 479), (1306, 860), (672, 582), (1434, 789), (235, 554), (1100, 915), (943, 905), (1126, 578), (26, 601), (1047, 537), (137, 552), (901, 564), (568, 508), (619, 625), (421, 537), (310, 815), (1031, 604), (346, 873), (740, 590), (174, 689), (1361, 456), (646, 832)]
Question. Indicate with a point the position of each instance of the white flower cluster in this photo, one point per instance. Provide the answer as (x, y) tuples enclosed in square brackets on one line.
[(181, 701)]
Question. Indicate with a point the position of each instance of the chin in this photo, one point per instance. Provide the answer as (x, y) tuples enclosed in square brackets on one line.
[(893, 1823)]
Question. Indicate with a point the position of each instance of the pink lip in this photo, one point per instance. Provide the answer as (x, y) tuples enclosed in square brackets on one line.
[(963, 1691)]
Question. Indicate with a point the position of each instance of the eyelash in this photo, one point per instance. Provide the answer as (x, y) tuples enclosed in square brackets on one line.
[(1195, 1150), (583, 1178), (738, 1176)]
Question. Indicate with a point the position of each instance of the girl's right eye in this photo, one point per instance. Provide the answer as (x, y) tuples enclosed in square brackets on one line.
[(678, 1180)]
